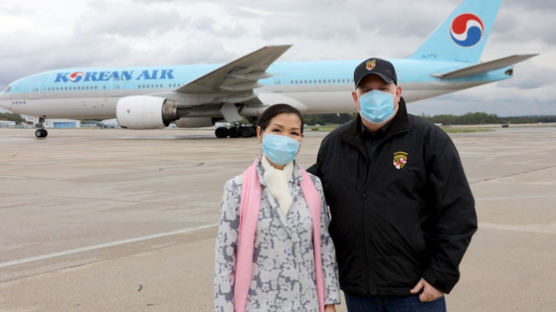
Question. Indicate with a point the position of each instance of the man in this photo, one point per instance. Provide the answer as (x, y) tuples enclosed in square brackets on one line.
[(402, 211)]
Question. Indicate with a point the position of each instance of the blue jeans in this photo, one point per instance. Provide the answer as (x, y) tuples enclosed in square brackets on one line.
[(393, 304)]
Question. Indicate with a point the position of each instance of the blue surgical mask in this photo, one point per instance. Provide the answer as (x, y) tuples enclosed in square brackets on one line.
[(279, 149), (376, 106)]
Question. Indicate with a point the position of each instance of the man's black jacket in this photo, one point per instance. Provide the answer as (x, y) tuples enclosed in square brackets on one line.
[(393, 226)]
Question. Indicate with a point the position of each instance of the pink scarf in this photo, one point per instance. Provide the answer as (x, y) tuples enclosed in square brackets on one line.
[(249, 215)]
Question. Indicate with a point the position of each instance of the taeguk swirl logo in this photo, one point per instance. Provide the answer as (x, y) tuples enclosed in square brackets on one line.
[(76, 76), (467, 30)]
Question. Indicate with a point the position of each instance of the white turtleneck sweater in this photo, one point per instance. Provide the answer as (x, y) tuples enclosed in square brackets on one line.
[(276, 181)]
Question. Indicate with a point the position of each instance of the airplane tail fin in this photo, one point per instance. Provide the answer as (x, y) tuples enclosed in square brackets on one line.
[(462, 36)]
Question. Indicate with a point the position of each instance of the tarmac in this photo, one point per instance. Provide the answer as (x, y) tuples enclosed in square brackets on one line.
[(121, 220)]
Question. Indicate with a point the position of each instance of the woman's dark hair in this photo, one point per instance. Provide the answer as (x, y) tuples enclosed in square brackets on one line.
[(276, 110)]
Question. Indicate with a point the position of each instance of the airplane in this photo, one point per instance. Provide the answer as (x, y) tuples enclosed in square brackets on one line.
[(201, 95)]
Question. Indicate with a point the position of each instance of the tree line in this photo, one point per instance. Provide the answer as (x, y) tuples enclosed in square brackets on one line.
[(12, 117), (476, 118), (479, 118)]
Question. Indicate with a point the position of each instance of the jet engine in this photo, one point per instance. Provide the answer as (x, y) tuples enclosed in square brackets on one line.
[(145, 112)]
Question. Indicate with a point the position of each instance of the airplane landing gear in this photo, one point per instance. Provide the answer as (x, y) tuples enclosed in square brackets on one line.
[(41, 131), (247, 132), (236, 131), (233, 132), (221, 132)]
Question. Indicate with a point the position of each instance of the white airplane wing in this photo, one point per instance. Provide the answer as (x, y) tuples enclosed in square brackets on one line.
[(239, 76), (485, 67), (233, 83)]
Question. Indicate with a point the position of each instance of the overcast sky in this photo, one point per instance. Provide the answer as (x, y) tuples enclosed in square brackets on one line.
[(43, 35)]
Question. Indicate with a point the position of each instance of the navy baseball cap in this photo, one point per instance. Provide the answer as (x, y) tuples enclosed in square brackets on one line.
[(375, 66)]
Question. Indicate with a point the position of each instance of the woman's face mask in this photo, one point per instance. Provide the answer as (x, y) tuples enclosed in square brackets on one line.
[(279, 149), (281, 139)]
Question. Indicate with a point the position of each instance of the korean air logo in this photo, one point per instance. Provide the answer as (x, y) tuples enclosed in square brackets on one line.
[(467, 30), (76, 76)]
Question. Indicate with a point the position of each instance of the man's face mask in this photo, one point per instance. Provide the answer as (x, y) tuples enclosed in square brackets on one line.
[(376, 106)]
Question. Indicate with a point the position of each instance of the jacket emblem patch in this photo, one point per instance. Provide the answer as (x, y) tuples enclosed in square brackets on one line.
[(400, 159)]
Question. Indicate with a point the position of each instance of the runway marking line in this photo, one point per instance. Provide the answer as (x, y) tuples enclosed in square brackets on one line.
[(529, 229), (105, 245)]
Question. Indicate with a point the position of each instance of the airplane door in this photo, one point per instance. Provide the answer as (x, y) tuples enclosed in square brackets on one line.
[(116, 88), (276, 79), (35, 90)]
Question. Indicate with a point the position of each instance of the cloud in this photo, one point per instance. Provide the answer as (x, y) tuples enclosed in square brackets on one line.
[(530, 77), (514, 24), (13, 9), (125, 19), (531, 5)]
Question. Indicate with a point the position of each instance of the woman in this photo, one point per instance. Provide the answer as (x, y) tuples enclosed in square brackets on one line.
[(271, 217)]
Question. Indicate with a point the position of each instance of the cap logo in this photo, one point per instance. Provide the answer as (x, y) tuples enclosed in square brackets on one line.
[(400, 159), (370, 65)]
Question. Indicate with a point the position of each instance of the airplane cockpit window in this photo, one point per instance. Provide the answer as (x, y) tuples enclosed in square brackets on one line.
[(8, 88)]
